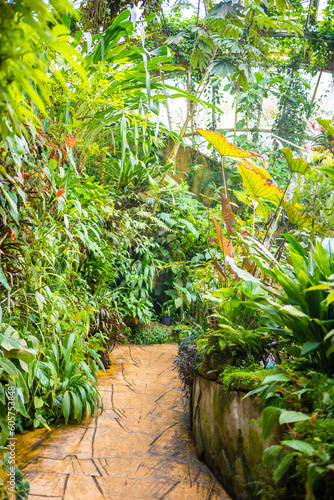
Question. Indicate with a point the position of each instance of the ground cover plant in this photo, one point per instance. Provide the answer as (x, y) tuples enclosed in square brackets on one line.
[(153, 334)]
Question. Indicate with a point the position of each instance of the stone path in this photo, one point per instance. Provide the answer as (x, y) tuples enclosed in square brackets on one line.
[(139, 448)]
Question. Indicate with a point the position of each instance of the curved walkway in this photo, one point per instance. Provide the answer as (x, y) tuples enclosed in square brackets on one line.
[(139, 448)]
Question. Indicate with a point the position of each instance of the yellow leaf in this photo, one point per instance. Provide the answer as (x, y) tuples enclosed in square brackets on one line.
[(225, 148), (259, 170), (77, 316), (258, 186)]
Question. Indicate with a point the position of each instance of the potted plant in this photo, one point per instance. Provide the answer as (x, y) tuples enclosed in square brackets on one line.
[(166, 318)]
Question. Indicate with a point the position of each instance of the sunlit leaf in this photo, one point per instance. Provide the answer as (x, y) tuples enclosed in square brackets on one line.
[(327, 126), (224, 147), (296, 164), (258, 186), (257, 168)]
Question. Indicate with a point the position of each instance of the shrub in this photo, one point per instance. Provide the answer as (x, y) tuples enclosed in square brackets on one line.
[(187, 361), (156, 335)]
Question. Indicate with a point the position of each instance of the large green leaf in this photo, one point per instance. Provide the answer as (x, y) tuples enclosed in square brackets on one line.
[(283, 465), (296, 164), (268, 420), (9, 367), (298, 445), (308, 347), (21, 354), (290, 417)]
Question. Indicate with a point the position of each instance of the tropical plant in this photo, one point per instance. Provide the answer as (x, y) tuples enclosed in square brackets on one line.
[(187, 361), (157, 334), (304, 306)]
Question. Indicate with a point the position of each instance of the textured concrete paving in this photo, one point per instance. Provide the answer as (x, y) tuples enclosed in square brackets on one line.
[(139, 448)]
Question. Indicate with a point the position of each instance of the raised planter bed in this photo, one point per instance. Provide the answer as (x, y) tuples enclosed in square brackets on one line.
[(227, 438)]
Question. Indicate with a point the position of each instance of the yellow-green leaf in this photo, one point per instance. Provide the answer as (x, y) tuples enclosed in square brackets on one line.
[(296, 164), (257, 168), (224, 147), (327, 126), (258, 186)]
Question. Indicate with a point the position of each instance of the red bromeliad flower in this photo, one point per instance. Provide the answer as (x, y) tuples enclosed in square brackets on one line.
[(244, 232), (60, 192), (312, 124), (211, 238), (70, 141)]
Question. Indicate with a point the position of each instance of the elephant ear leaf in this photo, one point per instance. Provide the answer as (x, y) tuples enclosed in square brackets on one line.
[(260, 170), (258, 186), (297, 218), (224, 244), (327, 126), (296, 164), (224, 147), (227, 214)]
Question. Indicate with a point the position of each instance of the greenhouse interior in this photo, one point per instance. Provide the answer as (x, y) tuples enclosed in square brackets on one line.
[(167, 249)]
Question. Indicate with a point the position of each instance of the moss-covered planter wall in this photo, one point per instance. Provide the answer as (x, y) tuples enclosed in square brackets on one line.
[(226, 439)]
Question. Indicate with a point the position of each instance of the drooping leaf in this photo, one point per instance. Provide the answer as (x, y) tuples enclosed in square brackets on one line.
[(296, 164), (268, 420), (258, 186), (242, 273), (297, 246), (327, 171), (280, 377), (219, 268), (224, 147), (222, 67), (224, 244), (227, 214), (3, 280), (66, 406), (283, 466), (271, 453), (9, 367), (308, 347), (21, 354), (190, 226), (221, 10)]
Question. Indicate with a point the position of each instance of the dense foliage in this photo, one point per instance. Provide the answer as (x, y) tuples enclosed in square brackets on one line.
[(98, 240)]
